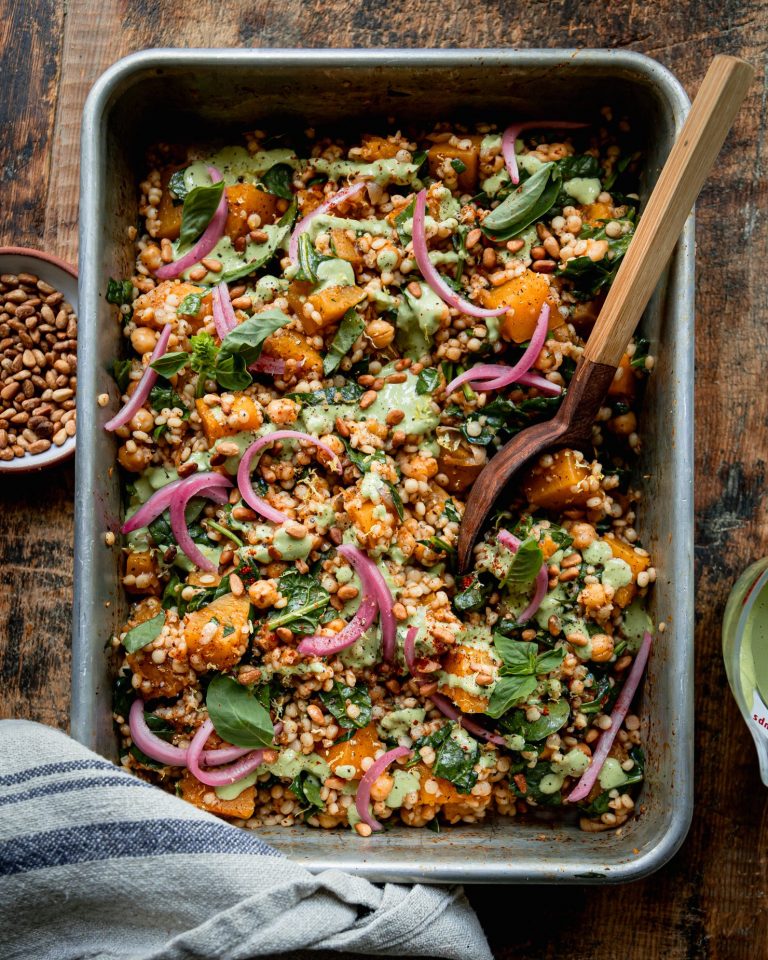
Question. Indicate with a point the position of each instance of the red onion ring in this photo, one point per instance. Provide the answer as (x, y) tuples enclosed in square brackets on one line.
[(508, 540), (450, 710), (210, 237), (196, 485), (587, 781), (511, 374), (345, 194), (157, 749), (148, 378), (409, 652), (159, 502), (513, 132), (227, 310), (430, 272), (225, 775), (494, 376), (219, 320), (254, 501), (319, 645), (374, 583), (273, 366), (371, 775)]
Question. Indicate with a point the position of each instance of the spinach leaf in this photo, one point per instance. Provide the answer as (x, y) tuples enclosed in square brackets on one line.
[(119, 291), (307, 602), (473, 594), (121, 372), (637, 773), (554, 719), (164, 397), (458, 165), (264, 252), (364, 461), (278, 180), (349, 330), (349, 393), (177, 187), (231, 372), (449, 509), (170, 363), (247, 339), (525, 205), (337, 700), (599, 693), (144, 633), (199, 207), (428, 380), (237, 715), (590, 276), (123, 695), (558, 535), (533, 777), (456, 754), (579, 165), (307, 788), (525, 566), (190, 305), (501, 419), (598, 806)]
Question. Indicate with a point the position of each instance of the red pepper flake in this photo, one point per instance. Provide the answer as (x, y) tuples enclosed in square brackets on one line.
[(521, 782)]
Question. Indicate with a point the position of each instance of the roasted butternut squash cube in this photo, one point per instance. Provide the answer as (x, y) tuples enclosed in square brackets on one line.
[(331, 303), (163, 679), (625, 551), (204, 797), (595, 213), (345, 248), (465, 661), (290, 345), (363, 743), (624, 384), (469, 157), (562, 484), (435, 791), (525, 296), (243, 199), (462, 466), (245, 415), (214, 634), (141, 574), (377, 148), (169, 209), (297, 294)]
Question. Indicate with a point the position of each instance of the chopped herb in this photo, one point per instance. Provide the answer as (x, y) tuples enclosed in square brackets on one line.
[(473, 594), (119, 292), (121, 370), (307, 788), (349, 393), (428, 380), (438, 545), (164, 397), (449, 509), (642, 348), (190, 305), (177, 187), (458, 165), (397, 500)]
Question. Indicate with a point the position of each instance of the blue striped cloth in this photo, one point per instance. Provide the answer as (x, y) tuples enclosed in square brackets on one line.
[(95, 863)]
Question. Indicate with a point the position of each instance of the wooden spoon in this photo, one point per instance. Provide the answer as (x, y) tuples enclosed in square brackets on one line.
[(690, 160)]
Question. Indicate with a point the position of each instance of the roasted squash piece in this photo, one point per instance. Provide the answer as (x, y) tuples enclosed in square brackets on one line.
[(163, 679), (345, 248), (465, 661), (331, 303), (363, 743), (461, 465), (297, 294), (624, 384), (169, 209), (200, 795), (560, 485), (290, 345), (245, 415), (141, 574), (214, 634), (377, 148), (636, 562), (243, 199), (525, 296), (595, 213), (445, 792), (469, 157)]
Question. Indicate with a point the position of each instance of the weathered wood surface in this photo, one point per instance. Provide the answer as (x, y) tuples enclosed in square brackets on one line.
[(710, 901)]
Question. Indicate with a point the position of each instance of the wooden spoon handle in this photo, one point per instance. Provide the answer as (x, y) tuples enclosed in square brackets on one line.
[(692, 157)]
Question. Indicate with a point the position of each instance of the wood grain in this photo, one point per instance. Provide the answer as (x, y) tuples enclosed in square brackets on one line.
[(709, 903)]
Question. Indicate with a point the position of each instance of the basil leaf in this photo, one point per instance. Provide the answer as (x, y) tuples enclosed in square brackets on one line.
[(170, 363), (237, 715), (428, 380), (519, 657), (349, 330), (549, 661), (525, 205), (555, 718), (402, 218), (350, 393), (449, 509), (144, 633), (307, 602), (199, 207), (231, 373), (309, 259), (397, 500), (525, 566), (579, 165), (473, 594), (456, 754), (263, 252), (507, 692), (364, 461), (438, 545), (190, 305), (337, 700), (247, 339), (121, 370), (119, 291), (278, 180), (177, 186), (307, 788)]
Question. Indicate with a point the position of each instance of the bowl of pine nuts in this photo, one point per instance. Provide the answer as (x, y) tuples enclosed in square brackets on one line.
[(38, 359)]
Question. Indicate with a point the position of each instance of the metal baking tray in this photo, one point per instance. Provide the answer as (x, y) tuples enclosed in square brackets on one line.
[(192, 95)]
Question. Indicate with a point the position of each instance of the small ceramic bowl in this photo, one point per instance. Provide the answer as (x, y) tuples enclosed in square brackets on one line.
[(63, 276)]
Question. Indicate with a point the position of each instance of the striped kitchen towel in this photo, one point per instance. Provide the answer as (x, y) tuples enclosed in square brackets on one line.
[(95, 863)]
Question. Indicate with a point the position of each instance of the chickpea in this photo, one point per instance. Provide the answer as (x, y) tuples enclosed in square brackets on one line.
[(593, 596), (382, 787), (420, 468), (584, 534), (624, 424), (143, 420), (602, 648), (143, 340), (135, 460), (380, 333), (151, 256), (282, 410), (263, 594)]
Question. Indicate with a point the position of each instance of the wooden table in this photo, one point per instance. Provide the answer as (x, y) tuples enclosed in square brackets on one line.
[(710, 901)]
